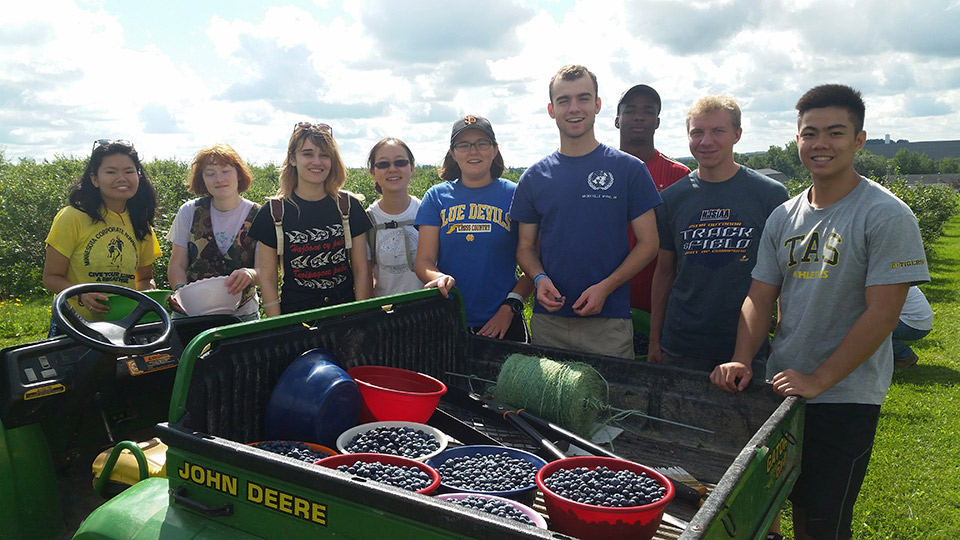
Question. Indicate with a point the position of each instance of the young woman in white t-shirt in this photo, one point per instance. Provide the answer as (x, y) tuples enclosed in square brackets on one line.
[(391, 165), (216, 243)]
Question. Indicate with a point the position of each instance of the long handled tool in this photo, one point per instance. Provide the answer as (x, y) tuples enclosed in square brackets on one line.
[(522, 419), (685, 492)]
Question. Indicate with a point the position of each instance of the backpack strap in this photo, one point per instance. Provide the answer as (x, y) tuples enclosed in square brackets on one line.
[(372, 237), (276, 212), (343, 201)]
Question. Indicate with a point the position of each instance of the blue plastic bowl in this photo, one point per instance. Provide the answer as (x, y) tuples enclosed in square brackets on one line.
[(525, 495), (313, 401)]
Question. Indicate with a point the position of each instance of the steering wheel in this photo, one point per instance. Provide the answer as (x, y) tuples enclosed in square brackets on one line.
[(109, 336)]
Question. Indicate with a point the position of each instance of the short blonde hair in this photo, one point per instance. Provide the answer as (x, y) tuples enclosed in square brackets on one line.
[(709, 104)]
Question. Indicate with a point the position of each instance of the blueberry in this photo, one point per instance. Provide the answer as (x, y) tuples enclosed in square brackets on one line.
[(491, 506), (487, 472), (605, 487), (398, 441), (401, 476), (293, 450)]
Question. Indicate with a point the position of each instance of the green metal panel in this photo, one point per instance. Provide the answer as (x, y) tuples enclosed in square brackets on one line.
[(271, 508), (30, 505), (769, 468)]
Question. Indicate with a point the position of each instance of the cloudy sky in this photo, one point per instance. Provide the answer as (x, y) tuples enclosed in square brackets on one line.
[(176, 75)]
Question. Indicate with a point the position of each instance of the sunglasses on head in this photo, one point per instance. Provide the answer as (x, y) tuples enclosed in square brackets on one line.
[(310, 125), (103, 143), (398, 163)]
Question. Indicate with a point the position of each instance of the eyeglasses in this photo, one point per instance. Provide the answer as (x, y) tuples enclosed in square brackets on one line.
[(480, 145), (103, 143), (310, 125), (398, 163)]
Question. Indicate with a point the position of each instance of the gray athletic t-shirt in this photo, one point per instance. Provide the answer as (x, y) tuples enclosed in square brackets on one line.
[(823, 260)]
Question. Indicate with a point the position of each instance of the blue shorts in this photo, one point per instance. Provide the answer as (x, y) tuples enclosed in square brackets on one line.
[(837, 442)]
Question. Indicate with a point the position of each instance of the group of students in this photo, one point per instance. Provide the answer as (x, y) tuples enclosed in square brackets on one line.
[(834, 263), (314, 234)]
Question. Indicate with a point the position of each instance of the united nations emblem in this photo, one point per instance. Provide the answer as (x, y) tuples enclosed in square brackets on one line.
[(600, 180)]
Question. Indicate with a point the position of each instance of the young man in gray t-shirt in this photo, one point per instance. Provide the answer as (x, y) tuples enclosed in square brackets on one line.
[(839, 257)]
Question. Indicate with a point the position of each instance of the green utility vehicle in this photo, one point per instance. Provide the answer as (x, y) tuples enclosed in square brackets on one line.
[(216, 486)]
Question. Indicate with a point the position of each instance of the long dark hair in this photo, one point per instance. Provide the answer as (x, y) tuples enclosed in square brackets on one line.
[(142, 207)]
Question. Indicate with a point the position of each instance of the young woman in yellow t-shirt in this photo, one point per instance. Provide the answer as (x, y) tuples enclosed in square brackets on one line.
[(105, 235)]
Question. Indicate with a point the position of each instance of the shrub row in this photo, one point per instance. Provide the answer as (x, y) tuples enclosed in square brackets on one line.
[(31, 193)]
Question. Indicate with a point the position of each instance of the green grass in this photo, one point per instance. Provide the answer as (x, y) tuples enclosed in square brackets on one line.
[(911, 489), (22, 321)]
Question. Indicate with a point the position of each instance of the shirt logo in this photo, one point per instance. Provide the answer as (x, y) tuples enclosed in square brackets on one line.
[(600, 180)]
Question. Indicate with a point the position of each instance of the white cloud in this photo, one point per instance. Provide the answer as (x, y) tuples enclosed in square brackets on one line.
[(74, 71)]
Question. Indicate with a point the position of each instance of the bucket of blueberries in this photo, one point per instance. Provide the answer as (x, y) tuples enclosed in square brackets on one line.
[(488, 470), (396, 471), (298, 450), (419, 442), (605, 498), (497, 506)]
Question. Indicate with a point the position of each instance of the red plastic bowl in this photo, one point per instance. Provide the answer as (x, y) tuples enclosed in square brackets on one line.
[(333, 462), (396, 394), (587, 521)]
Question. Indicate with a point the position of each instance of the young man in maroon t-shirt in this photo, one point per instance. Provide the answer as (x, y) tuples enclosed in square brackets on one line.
[(638, 117)]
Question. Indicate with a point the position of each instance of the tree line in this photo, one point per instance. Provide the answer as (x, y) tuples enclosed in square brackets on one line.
[(786, 160)]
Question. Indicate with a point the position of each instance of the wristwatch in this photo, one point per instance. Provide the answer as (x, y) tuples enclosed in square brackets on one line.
[(515, 305)]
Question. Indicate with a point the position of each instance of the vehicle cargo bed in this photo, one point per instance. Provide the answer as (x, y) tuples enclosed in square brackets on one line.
[(226, 376)]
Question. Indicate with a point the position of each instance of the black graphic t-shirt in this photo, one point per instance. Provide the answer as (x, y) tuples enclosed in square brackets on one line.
[(316, 269)]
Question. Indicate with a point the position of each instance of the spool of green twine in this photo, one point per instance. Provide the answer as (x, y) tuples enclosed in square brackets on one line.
[(570, 394)]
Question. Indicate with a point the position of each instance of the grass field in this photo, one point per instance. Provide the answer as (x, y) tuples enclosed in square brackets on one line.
[(912, 489)]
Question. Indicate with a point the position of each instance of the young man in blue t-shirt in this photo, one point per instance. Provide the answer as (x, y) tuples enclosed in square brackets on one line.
[(573, 208)]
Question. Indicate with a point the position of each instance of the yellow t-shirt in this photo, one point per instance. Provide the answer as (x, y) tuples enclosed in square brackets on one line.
[(103, 251)]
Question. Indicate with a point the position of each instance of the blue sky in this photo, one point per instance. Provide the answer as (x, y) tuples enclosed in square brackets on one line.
[(175, 76)]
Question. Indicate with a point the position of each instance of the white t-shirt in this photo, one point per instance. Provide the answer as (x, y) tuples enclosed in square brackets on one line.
[(392, 273), (916, 311), (226, 225)]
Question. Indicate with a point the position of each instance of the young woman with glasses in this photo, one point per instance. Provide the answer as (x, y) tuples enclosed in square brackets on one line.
[(105, 234), (466, 237), (324, 256), (210, 235), (393, 239)]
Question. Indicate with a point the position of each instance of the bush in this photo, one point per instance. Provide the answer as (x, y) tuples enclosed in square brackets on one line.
[(932, 204), (31, 193)]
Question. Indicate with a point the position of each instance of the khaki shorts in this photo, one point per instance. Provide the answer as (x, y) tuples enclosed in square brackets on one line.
[(610, 337)]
